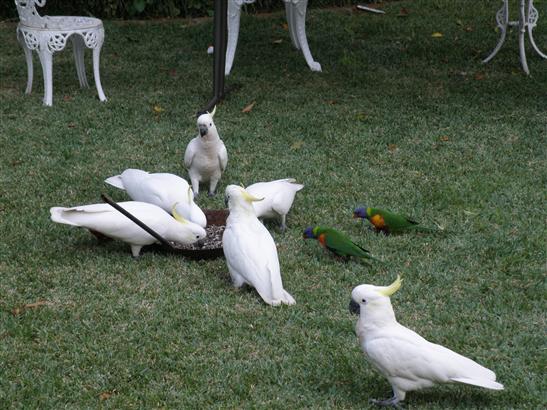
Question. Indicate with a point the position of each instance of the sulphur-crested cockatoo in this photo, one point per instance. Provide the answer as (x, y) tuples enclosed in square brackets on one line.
[(408, 360), (206, 157), (251, 254), (161, 189), (278, 198), (106, 220)]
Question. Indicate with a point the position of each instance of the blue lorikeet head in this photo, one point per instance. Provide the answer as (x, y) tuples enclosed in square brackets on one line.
[(308, 233), (360, 212)]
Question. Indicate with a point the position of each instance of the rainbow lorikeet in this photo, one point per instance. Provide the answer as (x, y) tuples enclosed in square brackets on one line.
[(336, 242), (387, 221)]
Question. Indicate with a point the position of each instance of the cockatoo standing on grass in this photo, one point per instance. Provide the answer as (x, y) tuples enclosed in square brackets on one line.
[(250, 251), (206, 157), (161, 189), (278, 198), (106, 220), (408, 360)]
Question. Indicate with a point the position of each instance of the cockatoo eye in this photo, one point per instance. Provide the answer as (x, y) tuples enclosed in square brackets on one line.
[(364, 300), (210, 124)]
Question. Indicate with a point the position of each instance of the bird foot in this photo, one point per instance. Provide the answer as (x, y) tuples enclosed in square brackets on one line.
[(379, 231), (211, 193), (283, 228), (344, 259), (393, 402)]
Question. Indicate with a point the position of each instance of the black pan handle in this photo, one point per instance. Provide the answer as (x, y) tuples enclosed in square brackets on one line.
[(156, 235)]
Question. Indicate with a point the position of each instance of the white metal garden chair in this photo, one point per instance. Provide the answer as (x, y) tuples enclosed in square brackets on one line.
[(48, 34), (296, 19)]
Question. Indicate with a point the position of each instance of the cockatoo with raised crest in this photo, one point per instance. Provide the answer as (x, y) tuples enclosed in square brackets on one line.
[(161, 189), (408, 360), (108, 221), (206, 157), (250, 251), (278, 198)]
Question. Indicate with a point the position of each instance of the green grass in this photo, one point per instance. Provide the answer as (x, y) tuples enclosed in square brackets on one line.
[(397, 119)]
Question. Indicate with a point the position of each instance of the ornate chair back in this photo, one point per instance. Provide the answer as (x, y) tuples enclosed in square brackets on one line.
[(28, 15)]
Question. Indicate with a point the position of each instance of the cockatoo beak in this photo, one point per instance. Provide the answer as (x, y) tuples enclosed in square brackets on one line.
[(354, 307), (202, 129), (176, 215), (391, 289)]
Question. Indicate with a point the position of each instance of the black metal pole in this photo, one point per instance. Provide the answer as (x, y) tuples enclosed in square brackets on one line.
[(220, 22), (156, 235)]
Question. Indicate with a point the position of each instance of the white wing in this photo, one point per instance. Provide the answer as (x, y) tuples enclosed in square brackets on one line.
[(283, 199), (278, 196), (190, 152), (223, 156), (162, 190), (110, 222), (165, 190), (253, 255), (411, 362)]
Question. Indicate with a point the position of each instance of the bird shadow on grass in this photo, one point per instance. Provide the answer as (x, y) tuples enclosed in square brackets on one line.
[(450, 396)]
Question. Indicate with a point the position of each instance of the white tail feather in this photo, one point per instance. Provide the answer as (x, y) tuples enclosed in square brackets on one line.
[(115, 181), (57, 215), (488, 384)]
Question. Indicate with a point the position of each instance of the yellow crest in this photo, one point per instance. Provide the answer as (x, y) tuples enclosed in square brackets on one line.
[(391, 289), (176, 215), (248, 197)]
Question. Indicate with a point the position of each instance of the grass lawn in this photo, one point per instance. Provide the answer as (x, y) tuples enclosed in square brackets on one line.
[(397, 119)]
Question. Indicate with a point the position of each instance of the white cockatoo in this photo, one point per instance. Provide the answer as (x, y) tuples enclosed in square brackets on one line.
[(161, 189), (106, 220), (250, 251), (278, 198), (206, 157), (408, 360)]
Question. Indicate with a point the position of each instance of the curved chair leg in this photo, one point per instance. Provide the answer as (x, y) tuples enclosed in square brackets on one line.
[(532, 18), (522, 32), (96, 74), (300, 17), (46, 59), (78, 47), (502, 18), (291, 22), (28, 58), (542, 55), (234, 16)]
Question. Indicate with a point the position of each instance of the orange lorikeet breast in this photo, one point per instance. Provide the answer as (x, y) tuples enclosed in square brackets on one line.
[(322, 239), (378, 221)]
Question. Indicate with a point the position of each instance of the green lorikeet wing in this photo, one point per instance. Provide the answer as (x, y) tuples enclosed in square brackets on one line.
[(340, 244), (389, 221), (396, 221)]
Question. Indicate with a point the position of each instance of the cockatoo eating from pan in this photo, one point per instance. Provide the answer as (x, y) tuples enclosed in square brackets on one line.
[(161, 189), (278, 198), (106, 220), (406, 359), (250, 251), (206, 157)]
